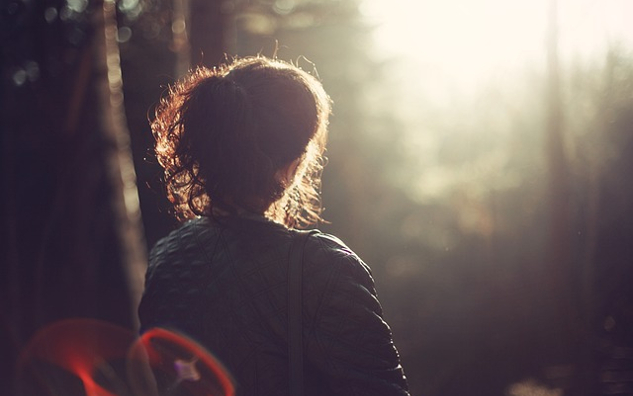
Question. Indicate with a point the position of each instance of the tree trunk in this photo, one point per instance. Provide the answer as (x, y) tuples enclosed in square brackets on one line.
[(558, 260), (207, 32), (69, 229), (119, 163)]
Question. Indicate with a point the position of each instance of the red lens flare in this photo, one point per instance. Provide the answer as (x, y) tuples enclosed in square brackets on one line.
[(179, 364), (88, 349), (87, 357)]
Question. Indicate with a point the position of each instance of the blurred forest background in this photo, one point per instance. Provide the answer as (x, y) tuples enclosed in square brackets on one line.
[(496, 211)]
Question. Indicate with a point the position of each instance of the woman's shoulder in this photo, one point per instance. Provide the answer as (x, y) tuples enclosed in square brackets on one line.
[(184, 238), (325, 252), (327, 244)]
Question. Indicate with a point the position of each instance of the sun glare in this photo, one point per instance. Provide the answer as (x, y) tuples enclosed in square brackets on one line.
[(462, 42), (465, 67)]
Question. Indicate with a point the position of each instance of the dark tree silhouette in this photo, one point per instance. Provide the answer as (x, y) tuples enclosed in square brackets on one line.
[(70, 241)]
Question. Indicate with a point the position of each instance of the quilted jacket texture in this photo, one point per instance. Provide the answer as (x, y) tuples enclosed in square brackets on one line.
[(226, 287)]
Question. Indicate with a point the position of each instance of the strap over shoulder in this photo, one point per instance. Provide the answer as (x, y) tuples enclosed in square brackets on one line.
[(295, 309)]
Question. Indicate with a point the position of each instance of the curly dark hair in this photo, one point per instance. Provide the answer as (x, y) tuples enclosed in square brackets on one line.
[(223, 136)]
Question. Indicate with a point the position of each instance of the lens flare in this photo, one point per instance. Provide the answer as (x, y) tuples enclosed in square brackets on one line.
[(88, 349), (179, 365), (95, 358)]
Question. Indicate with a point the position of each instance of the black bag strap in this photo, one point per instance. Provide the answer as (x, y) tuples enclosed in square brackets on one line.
[(295, 308)]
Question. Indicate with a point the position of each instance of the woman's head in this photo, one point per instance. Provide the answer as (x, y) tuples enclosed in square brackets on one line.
[(248, 135)]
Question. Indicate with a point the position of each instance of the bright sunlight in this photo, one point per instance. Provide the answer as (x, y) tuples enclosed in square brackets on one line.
[(462, 42)]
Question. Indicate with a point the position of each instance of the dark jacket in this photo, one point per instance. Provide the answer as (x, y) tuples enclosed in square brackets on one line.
[(226, 287)]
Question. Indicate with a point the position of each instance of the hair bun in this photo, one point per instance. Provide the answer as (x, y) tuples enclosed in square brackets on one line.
[(223, 134)]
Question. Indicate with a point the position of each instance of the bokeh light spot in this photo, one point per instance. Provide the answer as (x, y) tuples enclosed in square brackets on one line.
[(19, 77), (124, 34), (50, 14)]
